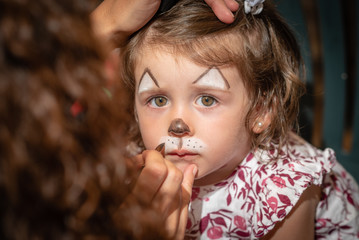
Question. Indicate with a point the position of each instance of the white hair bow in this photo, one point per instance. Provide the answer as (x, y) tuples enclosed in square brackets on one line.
[(253, 6)]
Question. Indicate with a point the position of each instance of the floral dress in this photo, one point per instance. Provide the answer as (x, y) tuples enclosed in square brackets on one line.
[(265, 187)]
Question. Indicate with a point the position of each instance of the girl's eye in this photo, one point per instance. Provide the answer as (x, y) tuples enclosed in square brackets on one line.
[(158, 101), (206, 101)]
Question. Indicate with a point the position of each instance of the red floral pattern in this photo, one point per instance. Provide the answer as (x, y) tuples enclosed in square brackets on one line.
[(264, 189)]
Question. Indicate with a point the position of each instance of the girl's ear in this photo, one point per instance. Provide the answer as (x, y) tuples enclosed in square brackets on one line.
[(262, 123)]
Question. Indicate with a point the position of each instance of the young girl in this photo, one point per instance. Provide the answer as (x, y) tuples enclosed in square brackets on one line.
[(225, 98)]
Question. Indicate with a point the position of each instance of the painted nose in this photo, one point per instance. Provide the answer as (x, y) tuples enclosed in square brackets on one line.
[(178, 127)]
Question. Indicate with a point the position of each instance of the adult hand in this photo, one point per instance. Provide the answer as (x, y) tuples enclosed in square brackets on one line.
[(167, 189), (115, 20)]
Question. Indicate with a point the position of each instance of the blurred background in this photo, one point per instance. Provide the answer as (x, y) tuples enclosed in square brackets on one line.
[(327, 31)]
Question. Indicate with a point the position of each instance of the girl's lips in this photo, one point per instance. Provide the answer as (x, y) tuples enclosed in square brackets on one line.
[(182, 155)]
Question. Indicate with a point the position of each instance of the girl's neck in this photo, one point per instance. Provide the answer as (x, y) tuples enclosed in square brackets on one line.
[(220, 174)]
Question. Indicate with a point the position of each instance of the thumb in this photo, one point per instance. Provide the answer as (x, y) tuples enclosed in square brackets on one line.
[(187, 183)]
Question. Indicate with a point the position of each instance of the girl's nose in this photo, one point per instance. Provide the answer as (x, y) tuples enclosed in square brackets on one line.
[(178, 127)]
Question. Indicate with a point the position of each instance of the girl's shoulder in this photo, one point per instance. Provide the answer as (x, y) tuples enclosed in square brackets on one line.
[(278, 178), (281, 177), (297, 163)]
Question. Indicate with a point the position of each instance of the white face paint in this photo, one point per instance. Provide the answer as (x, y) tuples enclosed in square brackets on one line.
[(190, 144), (213, 78), (147, 83)]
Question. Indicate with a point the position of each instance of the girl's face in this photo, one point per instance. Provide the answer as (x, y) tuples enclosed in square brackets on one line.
[(198, 111)]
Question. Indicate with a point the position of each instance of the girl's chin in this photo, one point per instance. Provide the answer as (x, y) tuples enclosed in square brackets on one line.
[(200, 179), (182, 165)]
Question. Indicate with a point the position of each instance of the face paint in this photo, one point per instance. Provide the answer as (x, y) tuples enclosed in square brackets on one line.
[(213, 78), (178, 127), (190, 144), (147, 82)]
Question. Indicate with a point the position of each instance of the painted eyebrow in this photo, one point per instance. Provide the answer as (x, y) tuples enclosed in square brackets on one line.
[(209, 69), (147, 70)]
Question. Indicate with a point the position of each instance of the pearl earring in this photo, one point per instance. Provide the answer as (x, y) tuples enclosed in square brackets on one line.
[(260, 124)]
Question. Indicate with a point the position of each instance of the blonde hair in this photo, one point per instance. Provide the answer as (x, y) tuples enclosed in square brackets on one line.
[(262, 47)]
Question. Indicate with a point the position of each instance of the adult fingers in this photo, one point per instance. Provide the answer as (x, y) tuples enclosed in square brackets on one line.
[(187, 184), (138, 161), (168, 199), (151, 177), (115, 20), (232, 5), (223, 9), (142, 12)]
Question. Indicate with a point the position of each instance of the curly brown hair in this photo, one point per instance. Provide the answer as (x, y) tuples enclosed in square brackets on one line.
[(62, 176), (262, 47)]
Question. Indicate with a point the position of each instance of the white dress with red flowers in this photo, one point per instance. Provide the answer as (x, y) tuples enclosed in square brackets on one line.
[(263, 190)]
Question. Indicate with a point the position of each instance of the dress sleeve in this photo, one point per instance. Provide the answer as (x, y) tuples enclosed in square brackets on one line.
[(280, 183)]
